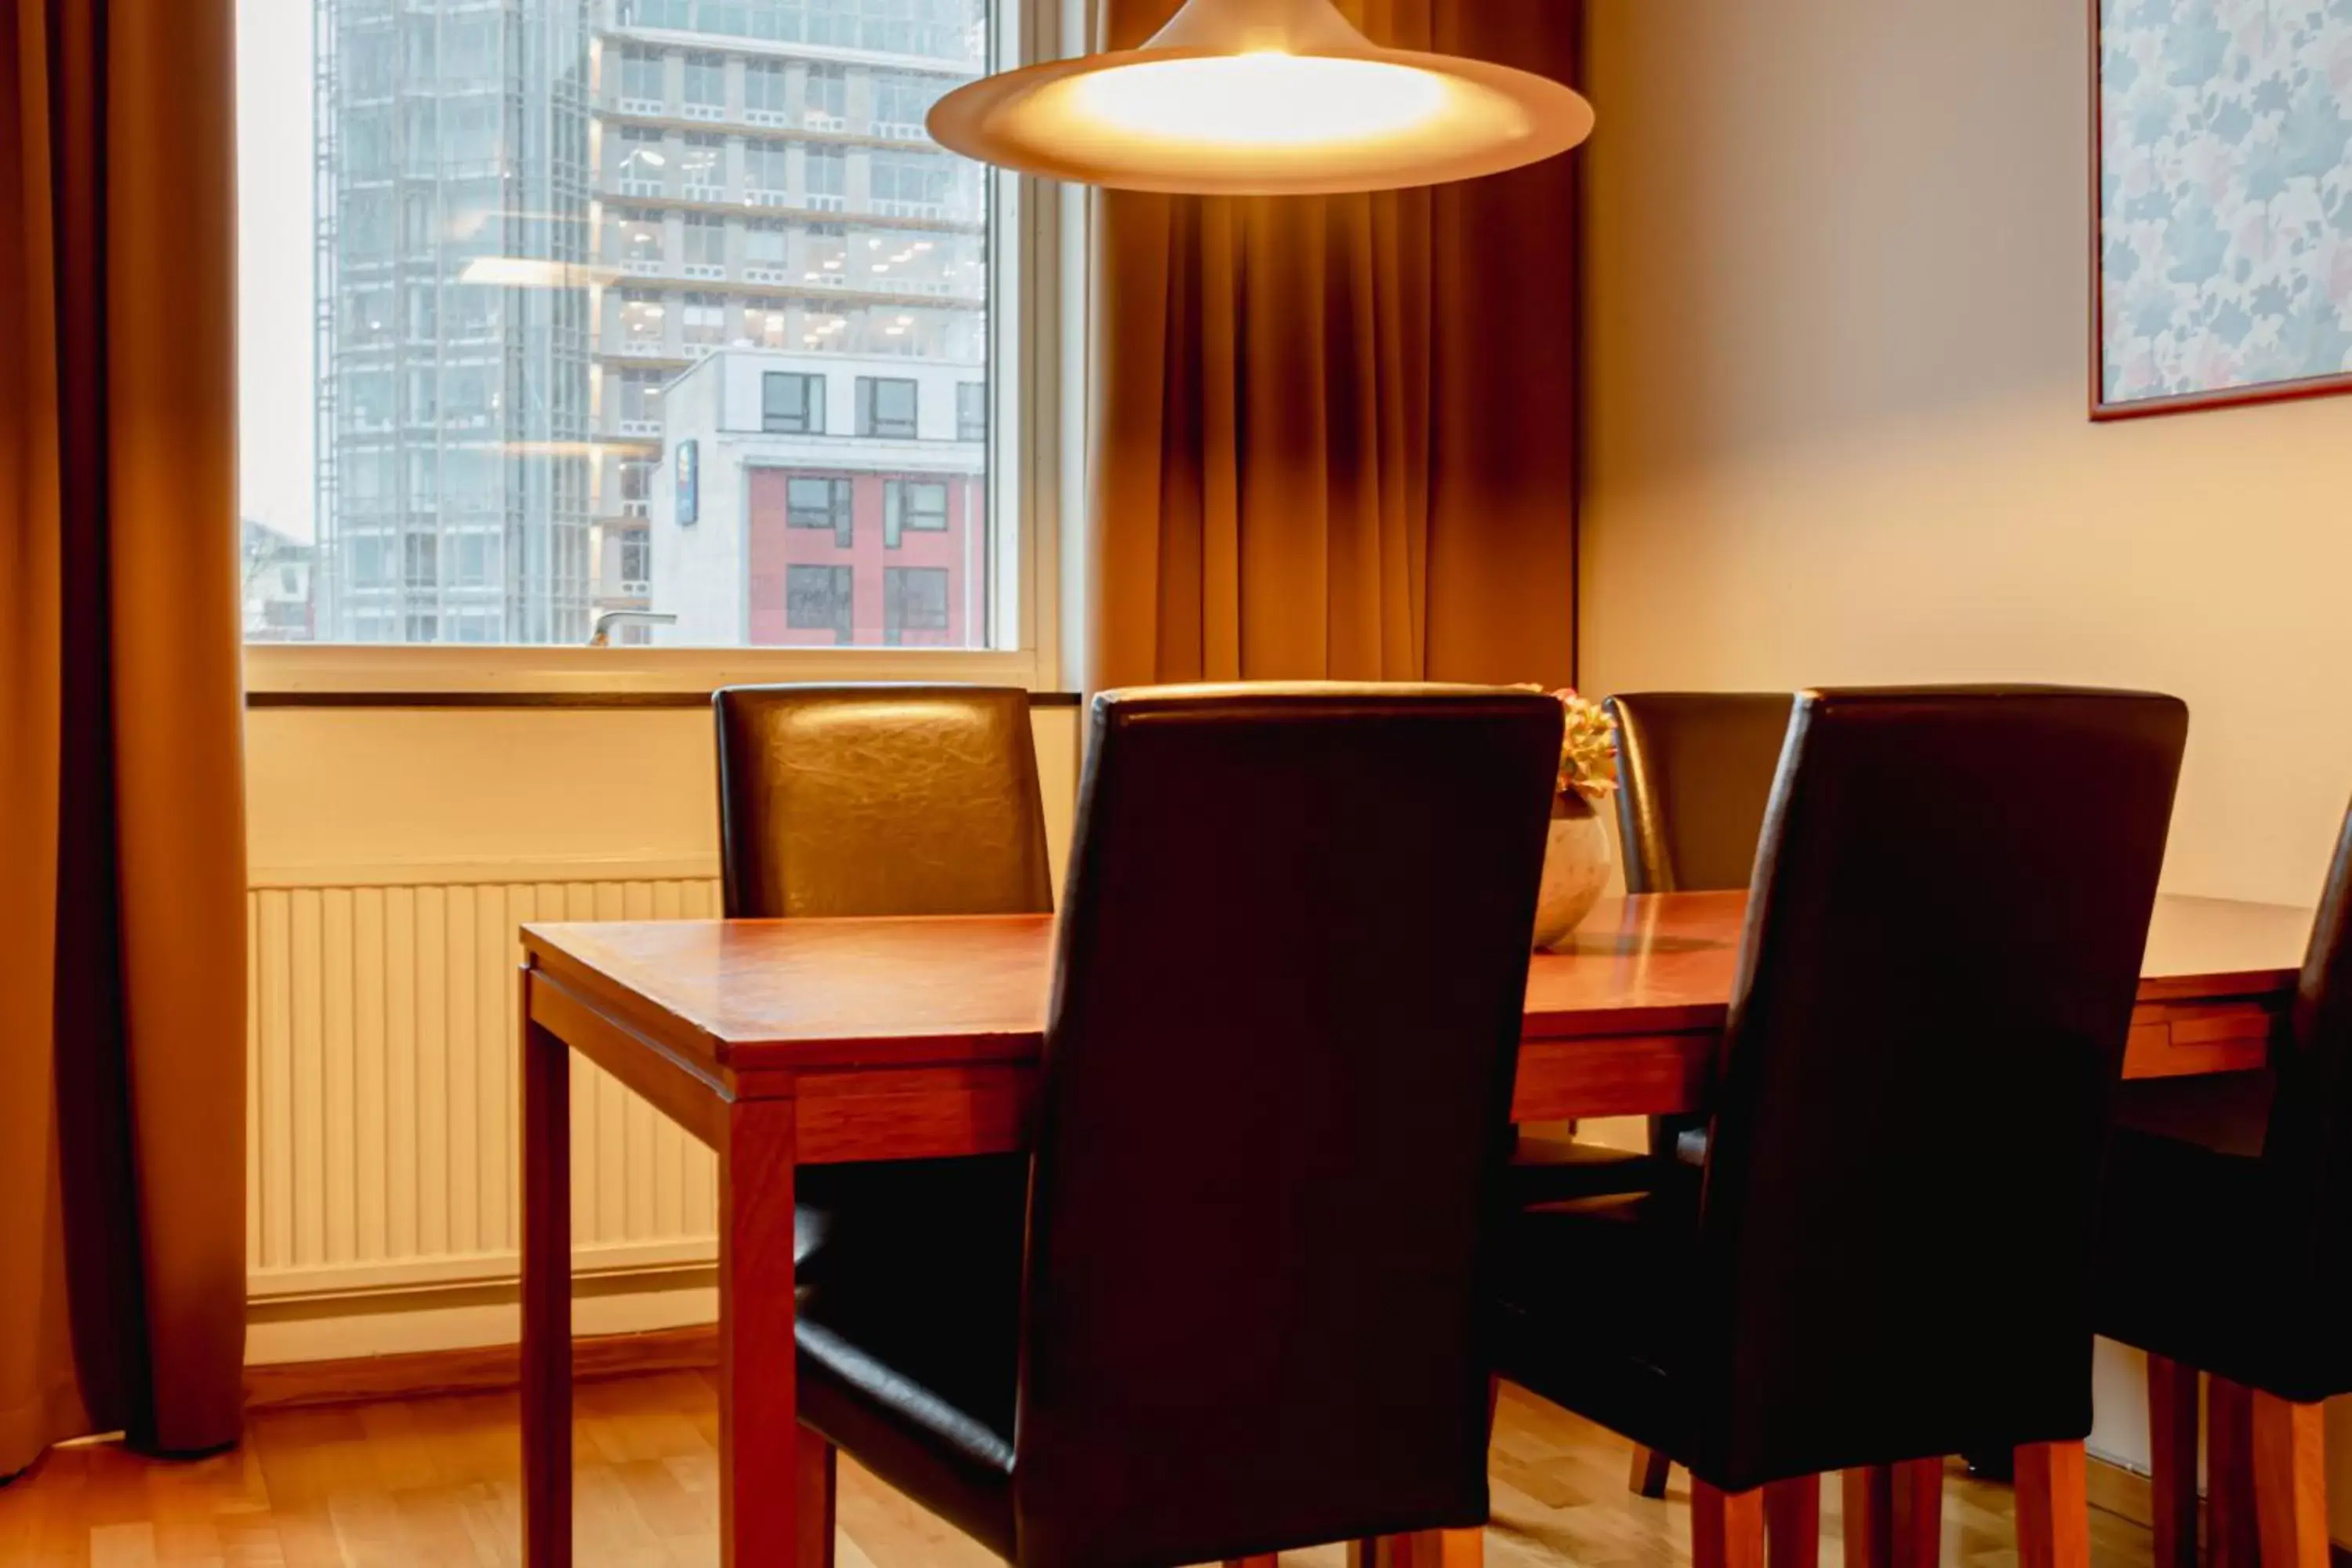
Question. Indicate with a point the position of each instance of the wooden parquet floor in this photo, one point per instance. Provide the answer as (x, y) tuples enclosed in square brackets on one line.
[(432, 1483)]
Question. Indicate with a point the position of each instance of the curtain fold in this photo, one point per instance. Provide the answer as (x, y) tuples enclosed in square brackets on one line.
[(1333, 437), (121, 890)]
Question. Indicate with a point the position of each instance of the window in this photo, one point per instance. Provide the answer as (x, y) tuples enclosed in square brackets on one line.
[(636, 561), (827, 171), (700, 168), (821, 503), (907, 182), (791, 403), (824, 104), (919, 504), (705, 318), (914, 599), (885, 406), (820, 599), (764, 90), (902, 101), (487, 249), (706, 84), (476, 562), (420, 553), (706, 241), (767, 166), (641, 78)]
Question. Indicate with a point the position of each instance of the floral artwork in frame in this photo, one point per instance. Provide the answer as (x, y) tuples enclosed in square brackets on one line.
[(2221, 245)]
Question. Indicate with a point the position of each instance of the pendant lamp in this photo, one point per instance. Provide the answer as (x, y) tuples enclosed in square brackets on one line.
[(1262, 97)]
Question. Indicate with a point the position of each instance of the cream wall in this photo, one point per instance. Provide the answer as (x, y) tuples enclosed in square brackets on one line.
[(1837, 318)]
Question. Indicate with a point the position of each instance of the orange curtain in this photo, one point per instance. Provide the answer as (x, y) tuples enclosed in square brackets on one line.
[(121, 884), (1333, 437)]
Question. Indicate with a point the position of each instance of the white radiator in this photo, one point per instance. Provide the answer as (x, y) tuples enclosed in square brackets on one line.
[(382, 1152)]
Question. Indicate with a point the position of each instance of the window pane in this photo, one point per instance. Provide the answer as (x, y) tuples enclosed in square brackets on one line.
[(501, 265)]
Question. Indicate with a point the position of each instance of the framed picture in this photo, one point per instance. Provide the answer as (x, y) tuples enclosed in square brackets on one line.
[(2222, 203)]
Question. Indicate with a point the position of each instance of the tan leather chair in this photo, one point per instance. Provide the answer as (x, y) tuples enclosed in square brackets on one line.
[(879, 800)]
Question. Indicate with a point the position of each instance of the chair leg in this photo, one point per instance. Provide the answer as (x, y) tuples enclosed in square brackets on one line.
[(1793, 1523), (2230, 1535), (1727, 1528), (816, 1484), (1650, 1468), (2290, 1481), (2172, 1459), (1421, 1549), (1894, 1514), (2054, 1508)]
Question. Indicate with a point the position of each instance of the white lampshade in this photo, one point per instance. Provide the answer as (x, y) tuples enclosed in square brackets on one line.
[(1262, 97)]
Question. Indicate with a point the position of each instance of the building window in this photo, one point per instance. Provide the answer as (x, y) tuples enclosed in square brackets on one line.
[(705, 83), (902, 181), (791, 403), (703, 318), (636, 562), (914, 599), (641, 78), (900, 102), (515, 238), (767, 167), (826, 103), (706, 241), (420, 555), (820, 599), (826, 173), (763, 90), (763, 242), (821, 503), (885, 406), (919, 504), (475, 561)]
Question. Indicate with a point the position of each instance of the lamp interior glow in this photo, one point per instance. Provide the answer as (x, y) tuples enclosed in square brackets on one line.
[(1262, 97)]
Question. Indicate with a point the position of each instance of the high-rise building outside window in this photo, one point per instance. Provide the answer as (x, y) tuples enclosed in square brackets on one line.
[(500, 264)]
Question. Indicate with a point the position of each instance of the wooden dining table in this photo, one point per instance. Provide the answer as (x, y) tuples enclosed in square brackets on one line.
[(781, 1043)]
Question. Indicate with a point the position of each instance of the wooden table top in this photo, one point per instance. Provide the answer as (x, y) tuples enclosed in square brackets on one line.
[(759, 995)]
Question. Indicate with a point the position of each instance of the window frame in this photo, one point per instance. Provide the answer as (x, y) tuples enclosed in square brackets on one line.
[(1037, 244), (812, 413)]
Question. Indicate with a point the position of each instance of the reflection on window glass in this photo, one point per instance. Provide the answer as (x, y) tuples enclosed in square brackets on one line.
[(511, 259)]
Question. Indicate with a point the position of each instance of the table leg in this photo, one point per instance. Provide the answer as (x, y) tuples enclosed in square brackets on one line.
[(759, 1415), (546, 1296)]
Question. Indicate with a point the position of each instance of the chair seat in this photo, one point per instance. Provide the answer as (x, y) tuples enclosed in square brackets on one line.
[(2186, 1231), (1594, 1300), (908, 1279), (1546, 1169)]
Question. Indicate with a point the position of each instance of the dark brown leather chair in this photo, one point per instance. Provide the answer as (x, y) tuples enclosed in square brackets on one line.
[(1934, 990), (879, 800), (1242, 1306), (1695, 771), (2232, 1255)]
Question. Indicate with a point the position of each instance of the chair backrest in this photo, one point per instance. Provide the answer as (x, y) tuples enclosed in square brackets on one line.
[(2309, 1144), (1696, 769), (879, 800), (1278, 1067), (1942, 954)]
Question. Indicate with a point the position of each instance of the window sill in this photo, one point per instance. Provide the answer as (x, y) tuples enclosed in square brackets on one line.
[(456, 675)]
